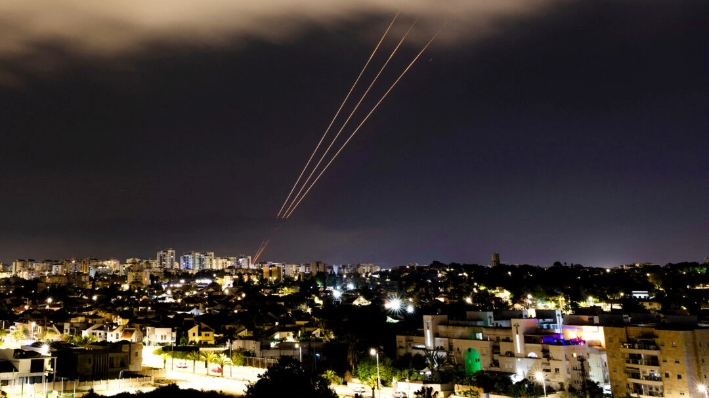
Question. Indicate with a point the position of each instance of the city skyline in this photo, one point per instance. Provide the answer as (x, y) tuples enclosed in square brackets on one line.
[(544, 132)]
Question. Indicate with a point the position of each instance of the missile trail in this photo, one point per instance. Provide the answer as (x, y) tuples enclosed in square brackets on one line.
[(364, 120), (349, 117), (336, 114), (265, 243)]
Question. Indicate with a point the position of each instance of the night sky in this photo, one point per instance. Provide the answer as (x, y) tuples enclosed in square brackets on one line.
[(545, 131)]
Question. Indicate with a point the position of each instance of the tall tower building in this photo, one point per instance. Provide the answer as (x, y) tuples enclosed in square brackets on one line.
[(495, 259), (166, 258), (197, 261)]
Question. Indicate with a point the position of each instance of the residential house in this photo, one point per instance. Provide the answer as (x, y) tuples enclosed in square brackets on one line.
[(200, 333)]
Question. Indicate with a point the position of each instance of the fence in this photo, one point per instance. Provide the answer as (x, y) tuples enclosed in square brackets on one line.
[(67, 388), (256, 362)]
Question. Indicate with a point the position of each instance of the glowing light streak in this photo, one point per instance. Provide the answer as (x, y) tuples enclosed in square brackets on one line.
[(336, 114), (265, 243), (322, 157), (363, 121)]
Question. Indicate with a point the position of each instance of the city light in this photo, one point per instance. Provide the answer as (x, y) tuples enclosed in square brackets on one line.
[(540, 378), (410, 309), (336, 294), (396, 304), (374, 352)]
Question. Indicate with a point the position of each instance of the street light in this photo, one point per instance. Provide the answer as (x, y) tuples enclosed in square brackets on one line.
[(374, 352), (702, 388), (33, 330), (300, 348), (540, 378)]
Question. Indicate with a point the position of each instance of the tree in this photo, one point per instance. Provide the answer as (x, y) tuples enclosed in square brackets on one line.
[(331, 376), (208, 357), (426, 392), (18, 335), (366, 371), (237, 357), (220, 360), (287, 378), (194, 356), (435, 359), (353, 343), (83, 341)]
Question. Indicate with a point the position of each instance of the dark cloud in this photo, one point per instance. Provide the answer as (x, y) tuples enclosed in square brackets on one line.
[(44, 36)]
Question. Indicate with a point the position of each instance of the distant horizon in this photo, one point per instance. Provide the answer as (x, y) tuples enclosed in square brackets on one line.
[(502, 262)]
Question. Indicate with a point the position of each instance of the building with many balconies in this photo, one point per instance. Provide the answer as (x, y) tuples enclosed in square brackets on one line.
[(518, 344), (657, 360)]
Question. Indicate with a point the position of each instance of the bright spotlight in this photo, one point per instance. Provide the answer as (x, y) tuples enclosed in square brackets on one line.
[(410, 309), (350, 286), (396, 305), (336, 294)]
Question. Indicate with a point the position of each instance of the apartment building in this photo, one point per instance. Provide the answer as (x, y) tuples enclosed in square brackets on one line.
[(521, 344), (658, 360)]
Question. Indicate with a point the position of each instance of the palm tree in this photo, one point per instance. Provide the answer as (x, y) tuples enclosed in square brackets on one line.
[(352, 342), (164, 356), (208, 357), (220, 360), (331, 376), (194, 356), (84, 341)]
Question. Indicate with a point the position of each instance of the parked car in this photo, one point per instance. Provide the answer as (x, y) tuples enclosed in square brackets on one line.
[(399, 394), (182, 365), (216, 370), (359, 390)]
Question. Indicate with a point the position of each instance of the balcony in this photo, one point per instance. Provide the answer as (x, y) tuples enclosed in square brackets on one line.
[(644, 393), (640, 348), (643, 379), (642, 362)]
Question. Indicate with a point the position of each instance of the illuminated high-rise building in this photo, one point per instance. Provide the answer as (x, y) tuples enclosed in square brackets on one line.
[(166, 258)]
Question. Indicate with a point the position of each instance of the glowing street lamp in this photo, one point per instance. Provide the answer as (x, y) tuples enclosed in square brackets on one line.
[(300, 348), (540, 378), (396, 305), (374, 352), (702, 388)]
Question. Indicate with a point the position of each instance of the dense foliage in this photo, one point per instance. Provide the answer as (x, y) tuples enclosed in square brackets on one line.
[(287, 378), (171, 390)]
